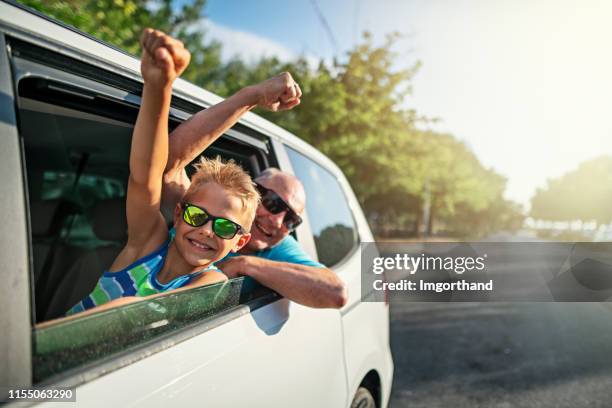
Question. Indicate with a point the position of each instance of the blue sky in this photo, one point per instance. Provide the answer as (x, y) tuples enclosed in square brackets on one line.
[(293, 24), (526, 83)]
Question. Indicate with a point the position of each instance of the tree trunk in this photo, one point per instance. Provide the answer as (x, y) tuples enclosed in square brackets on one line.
[(430, 226)]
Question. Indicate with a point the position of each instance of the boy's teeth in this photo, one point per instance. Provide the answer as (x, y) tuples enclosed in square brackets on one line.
[(199, 245)]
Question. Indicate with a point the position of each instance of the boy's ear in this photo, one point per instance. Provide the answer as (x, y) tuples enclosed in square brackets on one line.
[(178, 210), (242, 241)]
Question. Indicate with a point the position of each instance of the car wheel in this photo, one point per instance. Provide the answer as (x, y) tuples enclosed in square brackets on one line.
[(363, 399)]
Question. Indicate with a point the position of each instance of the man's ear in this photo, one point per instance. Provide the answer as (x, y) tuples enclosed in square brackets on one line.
[(242, 241)]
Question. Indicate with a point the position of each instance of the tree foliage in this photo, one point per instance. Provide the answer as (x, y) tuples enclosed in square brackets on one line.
[(120, 23), (582, 194)]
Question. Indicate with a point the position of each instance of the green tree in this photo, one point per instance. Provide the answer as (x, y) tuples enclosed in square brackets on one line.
[(582, 194), (120, 23)]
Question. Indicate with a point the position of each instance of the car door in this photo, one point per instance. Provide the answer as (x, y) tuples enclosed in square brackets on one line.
[(223, 345), (338, 226)]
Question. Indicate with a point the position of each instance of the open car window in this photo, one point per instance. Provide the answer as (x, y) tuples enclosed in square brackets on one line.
[(76, 144)]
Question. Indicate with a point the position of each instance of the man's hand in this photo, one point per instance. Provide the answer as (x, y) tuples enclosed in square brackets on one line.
[(278, 93), (163, 58), (234, 267)]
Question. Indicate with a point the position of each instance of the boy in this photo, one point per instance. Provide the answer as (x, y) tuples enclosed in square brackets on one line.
[(213, 218)]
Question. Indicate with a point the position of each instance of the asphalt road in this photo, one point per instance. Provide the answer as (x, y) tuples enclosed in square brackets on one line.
[(501, 354)]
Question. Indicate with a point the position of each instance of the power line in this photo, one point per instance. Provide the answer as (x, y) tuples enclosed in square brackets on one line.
[(356, 22), (326, 26)]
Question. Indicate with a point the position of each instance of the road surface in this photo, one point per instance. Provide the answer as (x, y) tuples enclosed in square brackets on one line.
[(501, 354)]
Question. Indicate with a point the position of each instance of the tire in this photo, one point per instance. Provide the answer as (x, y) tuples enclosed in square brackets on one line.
[(363, 399)]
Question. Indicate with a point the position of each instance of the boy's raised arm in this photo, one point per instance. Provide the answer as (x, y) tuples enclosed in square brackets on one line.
[(163, 60), (190, 139)]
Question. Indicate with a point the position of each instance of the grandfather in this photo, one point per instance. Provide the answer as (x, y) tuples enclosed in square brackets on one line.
[(272, 256)]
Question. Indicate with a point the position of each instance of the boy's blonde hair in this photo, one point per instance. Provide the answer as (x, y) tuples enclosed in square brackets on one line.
[(232, 178)]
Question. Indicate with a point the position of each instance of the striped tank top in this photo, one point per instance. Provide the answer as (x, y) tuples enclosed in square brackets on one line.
[(138, 279)]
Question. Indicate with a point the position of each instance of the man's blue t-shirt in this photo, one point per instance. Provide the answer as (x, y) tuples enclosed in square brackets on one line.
[(288, 250)]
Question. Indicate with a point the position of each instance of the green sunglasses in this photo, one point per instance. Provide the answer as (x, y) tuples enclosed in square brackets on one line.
[(222, 227)]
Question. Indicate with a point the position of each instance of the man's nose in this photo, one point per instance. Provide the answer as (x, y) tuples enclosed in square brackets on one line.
[(277, 219)]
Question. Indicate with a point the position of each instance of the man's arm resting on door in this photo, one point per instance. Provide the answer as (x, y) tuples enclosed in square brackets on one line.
[(310, 286)]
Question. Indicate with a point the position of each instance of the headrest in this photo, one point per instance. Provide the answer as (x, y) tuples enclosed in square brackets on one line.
[(109, 219), (42, 215)]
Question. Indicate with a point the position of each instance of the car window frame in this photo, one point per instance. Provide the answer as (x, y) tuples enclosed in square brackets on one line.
[(15, 319), (303, 233), (87, 372), (341, 185)]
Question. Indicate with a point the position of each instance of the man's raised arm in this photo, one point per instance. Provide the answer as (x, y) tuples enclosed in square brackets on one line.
[(191, 138)]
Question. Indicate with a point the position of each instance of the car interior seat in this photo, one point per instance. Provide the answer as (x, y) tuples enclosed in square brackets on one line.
[(81, 268), (51, 253)]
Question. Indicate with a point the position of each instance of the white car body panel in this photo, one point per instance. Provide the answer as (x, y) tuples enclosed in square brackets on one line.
[(247, 361)]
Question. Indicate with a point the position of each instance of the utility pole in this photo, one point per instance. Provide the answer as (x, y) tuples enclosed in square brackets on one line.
[(426, 208)]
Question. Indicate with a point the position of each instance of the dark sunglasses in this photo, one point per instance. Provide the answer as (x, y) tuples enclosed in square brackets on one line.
[(222, 227), (274, 204)]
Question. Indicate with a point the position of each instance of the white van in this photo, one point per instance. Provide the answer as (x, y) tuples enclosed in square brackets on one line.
[(67, 107)]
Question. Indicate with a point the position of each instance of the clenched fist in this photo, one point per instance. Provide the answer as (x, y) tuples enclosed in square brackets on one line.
[(163, 58), (278, 93)]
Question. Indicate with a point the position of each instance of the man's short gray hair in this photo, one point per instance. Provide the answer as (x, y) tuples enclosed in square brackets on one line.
[(269, 173), (290, 183)]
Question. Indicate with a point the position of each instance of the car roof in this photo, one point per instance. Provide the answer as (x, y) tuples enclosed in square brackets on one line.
[(18, 20)]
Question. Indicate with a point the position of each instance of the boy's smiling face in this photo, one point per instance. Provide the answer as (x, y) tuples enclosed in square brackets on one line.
[(199, 246)]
